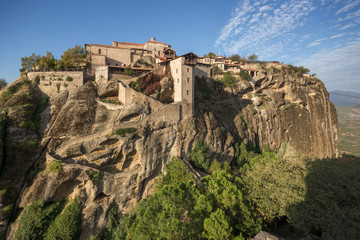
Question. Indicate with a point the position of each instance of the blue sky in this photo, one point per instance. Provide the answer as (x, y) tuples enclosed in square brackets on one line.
[(322, 35)]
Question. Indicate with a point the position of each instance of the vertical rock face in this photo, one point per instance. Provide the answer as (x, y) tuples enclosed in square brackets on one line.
[(278, 109), (287, 107)]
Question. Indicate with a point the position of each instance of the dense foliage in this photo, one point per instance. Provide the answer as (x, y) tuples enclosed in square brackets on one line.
[(229, 80), (36, 219), (75, 57), (67, 225), (245, 75), (299, 69), (200, 155), (253, 57), (3, 83), (147, 84)]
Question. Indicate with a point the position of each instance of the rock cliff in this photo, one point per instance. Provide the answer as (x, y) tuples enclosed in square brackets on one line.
[(279, 108)]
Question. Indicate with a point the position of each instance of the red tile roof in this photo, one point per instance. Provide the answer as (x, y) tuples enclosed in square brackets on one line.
[(156, 42), (127, 43)]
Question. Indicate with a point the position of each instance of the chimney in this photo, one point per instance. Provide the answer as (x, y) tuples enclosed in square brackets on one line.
[(114, 43), (153, 39)]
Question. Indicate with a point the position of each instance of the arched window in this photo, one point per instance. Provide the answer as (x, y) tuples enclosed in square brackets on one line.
[(99, 51)]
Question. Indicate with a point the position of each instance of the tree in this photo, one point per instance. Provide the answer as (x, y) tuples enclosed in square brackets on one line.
[(229, 80), (235, 57), (253, 57), (47, 62), (217, 226), (168, 214), (216, 71), (245, 75), (221, 190), (200, 155), (175, 174), (67, 225), (211, 55), (273, 184), (3, 83), (74, 57), (30, 63)]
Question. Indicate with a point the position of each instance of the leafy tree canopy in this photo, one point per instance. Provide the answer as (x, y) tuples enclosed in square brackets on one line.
[(3, 83), (74, 57), (229, 80), (200, 155), (253, 57), (235, 57)]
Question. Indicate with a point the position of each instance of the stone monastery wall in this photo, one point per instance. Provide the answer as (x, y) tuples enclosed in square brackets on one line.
[(51, 83)]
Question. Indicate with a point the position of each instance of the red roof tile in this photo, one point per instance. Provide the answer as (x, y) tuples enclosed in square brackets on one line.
[(127, 43)]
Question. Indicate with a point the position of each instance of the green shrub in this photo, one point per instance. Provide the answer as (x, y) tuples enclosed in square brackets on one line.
[(37, 80), (300, 69), (137, 84), (28, 124), (200, 155), (65, 84), (58, 85), (216, 71), (123, 131), (36, 219), (43, 77), (245, 75), (69, 79), (55, 166), (176, 172), (9, 207), (95, 176), (128, 71), (14, 88), (67, 225), (229, 80)]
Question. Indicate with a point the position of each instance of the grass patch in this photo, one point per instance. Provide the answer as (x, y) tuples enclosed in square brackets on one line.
[(55, 166), (114, 100), (123, 131), (95, 176), (11, 90), (9, 207)]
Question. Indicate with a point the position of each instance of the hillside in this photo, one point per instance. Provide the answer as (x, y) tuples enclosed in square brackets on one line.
[(105, 157), (343, 98), (349, 129)]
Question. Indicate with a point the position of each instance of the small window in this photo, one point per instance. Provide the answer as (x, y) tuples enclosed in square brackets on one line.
[(188, 69), (116, 64), (177, 80), (159, 53), (108, 63), (187, 92), (188, 80), (176, 70), (99, 51)]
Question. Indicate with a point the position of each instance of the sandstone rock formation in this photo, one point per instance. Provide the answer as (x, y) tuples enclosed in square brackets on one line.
[(279, 108)]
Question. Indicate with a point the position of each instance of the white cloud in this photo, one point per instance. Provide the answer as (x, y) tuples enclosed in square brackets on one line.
[(258, 32), (348, 6), (337, 36), (316, 43), (265, 8), (350, 25), (339, 68)]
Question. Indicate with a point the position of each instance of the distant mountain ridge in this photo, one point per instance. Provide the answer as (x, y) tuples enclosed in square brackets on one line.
[(344, 98)]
